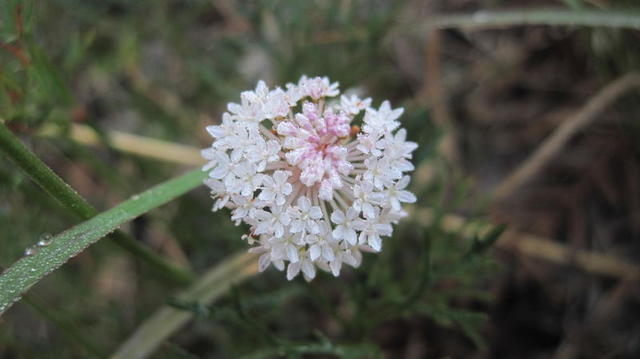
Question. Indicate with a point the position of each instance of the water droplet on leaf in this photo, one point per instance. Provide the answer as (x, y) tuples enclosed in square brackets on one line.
[(45, 240), (30, 251)]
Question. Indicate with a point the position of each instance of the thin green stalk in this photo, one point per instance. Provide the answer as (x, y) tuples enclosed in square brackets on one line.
[(69, 198), (16, 280), (624, 19), (424, 274)]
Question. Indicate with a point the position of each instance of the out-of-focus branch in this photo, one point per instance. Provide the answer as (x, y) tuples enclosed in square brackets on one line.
[(434, 93), (538, 247), (554, 143), (133, 144), (480, 20)]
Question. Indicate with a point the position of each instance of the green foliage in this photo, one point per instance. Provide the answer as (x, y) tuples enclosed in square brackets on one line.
[(159, 68)]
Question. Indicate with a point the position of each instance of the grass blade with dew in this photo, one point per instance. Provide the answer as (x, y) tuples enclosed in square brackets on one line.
[(46, 178), (22, 275)]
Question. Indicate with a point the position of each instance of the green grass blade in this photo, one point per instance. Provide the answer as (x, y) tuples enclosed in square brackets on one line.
[(629, 19), (44, 176), (29, 270)]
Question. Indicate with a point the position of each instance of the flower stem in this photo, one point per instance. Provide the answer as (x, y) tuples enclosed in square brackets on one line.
[(41, 174)]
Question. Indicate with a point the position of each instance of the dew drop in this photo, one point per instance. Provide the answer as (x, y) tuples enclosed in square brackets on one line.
[(45, 240), (30, 251)]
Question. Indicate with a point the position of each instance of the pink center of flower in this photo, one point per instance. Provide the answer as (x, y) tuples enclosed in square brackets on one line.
[(313, 140)]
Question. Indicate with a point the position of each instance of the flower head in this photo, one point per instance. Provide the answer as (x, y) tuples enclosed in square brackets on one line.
[(315, 189)]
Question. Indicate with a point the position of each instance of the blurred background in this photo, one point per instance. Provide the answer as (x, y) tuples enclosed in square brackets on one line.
[(561, 282)]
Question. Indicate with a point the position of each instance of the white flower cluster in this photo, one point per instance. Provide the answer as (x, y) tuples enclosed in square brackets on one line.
[(315, 190)]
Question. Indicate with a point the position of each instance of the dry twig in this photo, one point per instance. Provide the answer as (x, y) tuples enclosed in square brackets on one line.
[(133, 144), (434, 93), (538, 247), (554, 143)]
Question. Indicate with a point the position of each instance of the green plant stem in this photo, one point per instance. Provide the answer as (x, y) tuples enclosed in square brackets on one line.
[(423, 277), (26, 272), (629, 19), (69, 198), (36, 304), (205, 290), (340, 351)]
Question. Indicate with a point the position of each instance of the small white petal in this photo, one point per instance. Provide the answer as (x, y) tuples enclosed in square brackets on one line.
[(338, 232), (368, 210), (337, 216), (314, 252), (336, 265), (292, 253), (327, 253), (292, 270), (407, 197), (279, 264), (304, 204), (308, 270), (219, 172), (350, 237), (264, 261), (375, 242), (315, 212)]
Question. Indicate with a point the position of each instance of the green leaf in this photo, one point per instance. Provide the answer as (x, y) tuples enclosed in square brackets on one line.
[(16, 280), (480, 245)]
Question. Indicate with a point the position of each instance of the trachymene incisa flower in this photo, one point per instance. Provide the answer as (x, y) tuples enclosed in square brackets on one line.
[(315, 189)]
